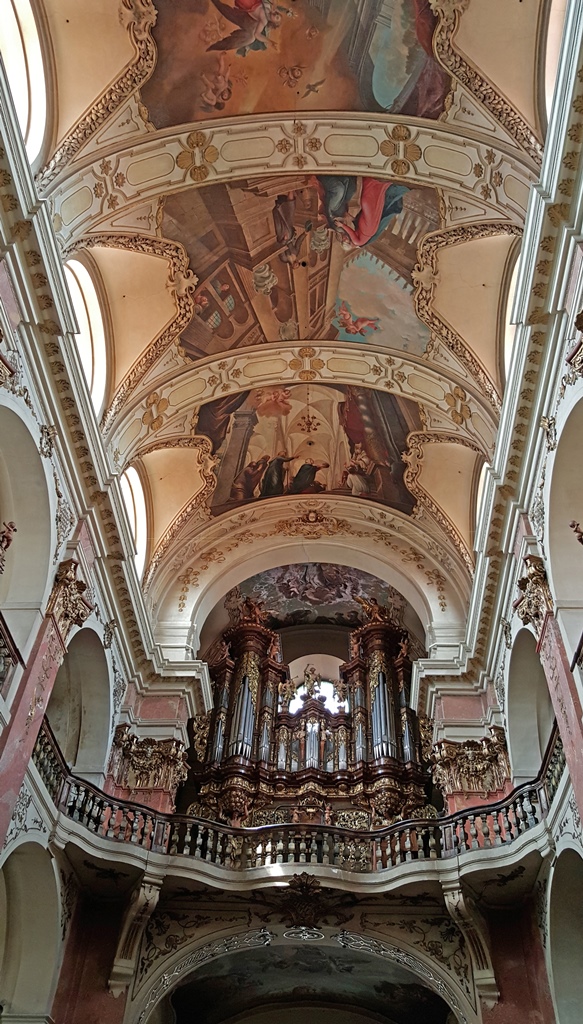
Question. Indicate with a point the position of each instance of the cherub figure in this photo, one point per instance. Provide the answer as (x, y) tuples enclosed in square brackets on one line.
[(254, 19), (218, 86), (355, 324)]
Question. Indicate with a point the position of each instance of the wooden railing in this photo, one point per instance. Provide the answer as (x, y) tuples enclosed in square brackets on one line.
[(480, 828)]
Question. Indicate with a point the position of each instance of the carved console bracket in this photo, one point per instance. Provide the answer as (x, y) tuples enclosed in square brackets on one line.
[(465, 914), (141, 906), (477, 766), (67, 603)]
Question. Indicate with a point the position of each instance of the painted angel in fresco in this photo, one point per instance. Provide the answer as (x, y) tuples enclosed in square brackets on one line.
[(356, 324), (254, 19)]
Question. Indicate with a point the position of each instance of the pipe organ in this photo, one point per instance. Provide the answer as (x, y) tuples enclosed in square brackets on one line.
[(275, 750)]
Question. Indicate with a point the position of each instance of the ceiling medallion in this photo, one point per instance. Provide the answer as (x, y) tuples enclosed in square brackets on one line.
[(304, 934)]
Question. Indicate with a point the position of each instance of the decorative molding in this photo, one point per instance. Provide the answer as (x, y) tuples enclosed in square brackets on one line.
[(139, 16), (202, 955), (141, 906), (366, 944), (449, 12), (473, 927), (25, 817)]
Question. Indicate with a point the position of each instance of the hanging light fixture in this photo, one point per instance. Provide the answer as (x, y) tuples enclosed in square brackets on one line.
[(308, 423)]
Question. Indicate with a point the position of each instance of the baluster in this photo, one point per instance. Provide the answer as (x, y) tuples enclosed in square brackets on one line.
[(529, 809), (377, 860), (506, 826), (433, 847), (279, 848), (497, 841), (521, 825), (484, 820), (408, 854), (335, 847), (174, 835), (421, 835), (474, 844), (198, 842), (210, 844), (302, 859), (326, 848), (187, 839)]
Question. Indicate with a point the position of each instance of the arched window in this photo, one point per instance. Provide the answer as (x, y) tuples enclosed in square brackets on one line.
[(135, 502), (509, 324), (480, 489), (554, 37), (91, 336), (22, 56)]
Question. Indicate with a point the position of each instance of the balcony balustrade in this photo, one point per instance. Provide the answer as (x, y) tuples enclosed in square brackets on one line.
[(238, 849)]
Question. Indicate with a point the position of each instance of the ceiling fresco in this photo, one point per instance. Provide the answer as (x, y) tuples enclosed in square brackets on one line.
[(309, 439), (316, 593), (281, 975), (281, 258), (238, 57), (302, 216)]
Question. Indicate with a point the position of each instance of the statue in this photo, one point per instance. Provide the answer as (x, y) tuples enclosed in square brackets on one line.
[(287, 691), (404, 646), (252, 611), (312, 680), (374, 611), (6, 538)]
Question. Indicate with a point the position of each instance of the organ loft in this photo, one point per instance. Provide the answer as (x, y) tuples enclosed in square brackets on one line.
[(274, 748)]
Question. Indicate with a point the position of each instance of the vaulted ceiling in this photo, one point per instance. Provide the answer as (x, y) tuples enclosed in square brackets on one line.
[(303, 218)]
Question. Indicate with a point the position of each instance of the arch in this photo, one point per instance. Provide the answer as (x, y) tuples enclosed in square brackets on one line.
[(23, 487), (529, 711), (22, 54), (29, 942), (79, 710), (423, 598), (566, 936), (401, 965), (91, 335), (565, 504)]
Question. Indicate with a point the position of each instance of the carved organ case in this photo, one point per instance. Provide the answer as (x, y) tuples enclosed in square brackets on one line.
[(275, 749)]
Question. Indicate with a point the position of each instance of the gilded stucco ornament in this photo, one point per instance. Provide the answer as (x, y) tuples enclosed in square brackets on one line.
[(67, 603), (147, 763), (535, 599), (476, 766)]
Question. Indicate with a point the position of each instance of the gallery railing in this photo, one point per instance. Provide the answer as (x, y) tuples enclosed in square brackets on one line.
[(10, 656), (480, 828)]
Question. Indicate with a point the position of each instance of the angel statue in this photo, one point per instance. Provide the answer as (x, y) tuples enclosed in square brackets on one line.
[(253, 19), (374, 611), (312, 680)]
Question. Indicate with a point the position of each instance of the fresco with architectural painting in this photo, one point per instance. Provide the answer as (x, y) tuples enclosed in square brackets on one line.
[(309, 439), (318, 593), (290, 257), (220, 58)]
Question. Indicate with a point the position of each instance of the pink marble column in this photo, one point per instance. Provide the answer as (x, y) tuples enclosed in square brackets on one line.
[(521, 974), (66, 607), (565, 699)]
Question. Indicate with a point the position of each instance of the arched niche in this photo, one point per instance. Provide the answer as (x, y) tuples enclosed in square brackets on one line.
[(565, 504), (529, 711), (24, 500), (29, 933), (79, 710), (566, 937)]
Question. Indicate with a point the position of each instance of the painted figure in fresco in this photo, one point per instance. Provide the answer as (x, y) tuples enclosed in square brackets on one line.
[(380, 201), (273, 483), (254, 19), (356, 324), (304, 482), (244, 484), (285, 230), (218, 87)]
